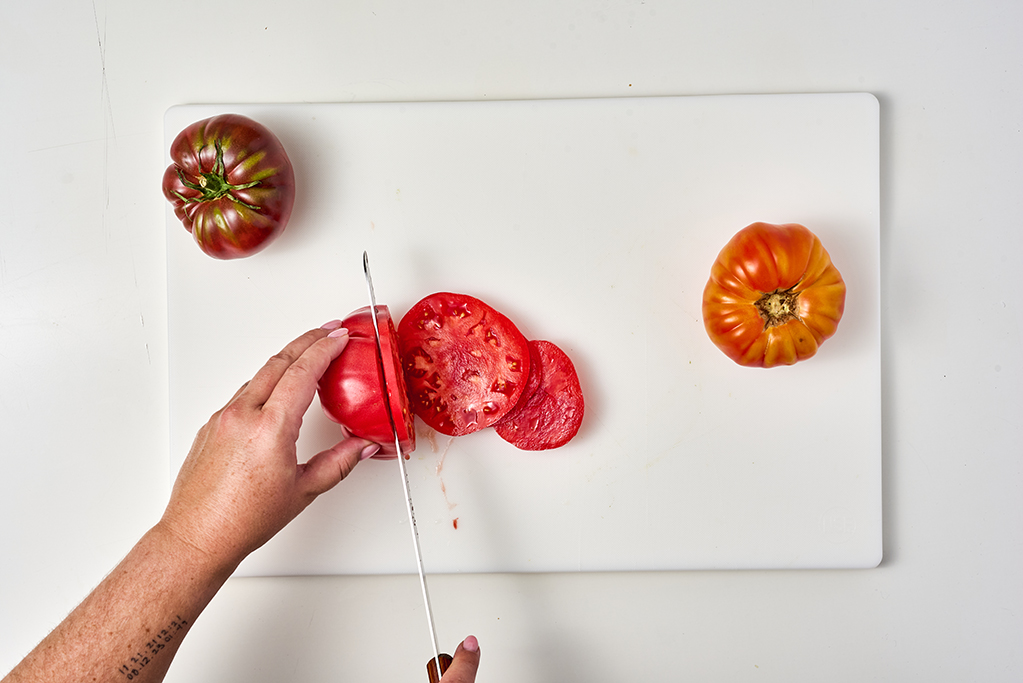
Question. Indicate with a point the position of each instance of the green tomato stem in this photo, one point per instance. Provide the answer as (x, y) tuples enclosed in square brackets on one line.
[(213, 185)]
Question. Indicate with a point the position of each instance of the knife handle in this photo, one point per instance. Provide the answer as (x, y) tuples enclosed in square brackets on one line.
[(431, 667)]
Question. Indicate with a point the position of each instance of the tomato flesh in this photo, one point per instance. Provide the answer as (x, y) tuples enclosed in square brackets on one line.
[(550, 411), (351, 390), (465, 364), (773, 296)]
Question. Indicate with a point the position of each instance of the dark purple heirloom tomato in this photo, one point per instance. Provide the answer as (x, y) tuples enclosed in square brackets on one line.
[(231, 184)]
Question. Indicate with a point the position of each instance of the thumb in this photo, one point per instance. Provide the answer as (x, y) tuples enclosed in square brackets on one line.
[(465, 662), (327, 468)]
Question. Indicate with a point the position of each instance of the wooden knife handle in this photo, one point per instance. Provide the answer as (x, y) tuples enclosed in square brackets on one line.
[(431, 667)]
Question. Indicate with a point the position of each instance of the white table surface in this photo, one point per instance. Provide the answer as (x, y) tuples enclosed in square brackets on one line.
[(83, 331)]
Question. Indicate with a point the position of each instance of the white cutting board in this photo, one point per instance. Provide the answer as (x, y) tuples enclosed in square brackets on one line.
[(591, 223)]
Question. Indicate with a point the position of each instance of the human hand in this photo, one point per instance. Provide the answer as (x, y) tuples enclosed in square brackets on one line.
[(241, 482), (464, 664)]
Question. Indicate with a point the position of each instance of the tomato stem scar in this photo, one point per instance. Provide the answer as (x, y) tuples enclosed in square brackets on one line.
[(778, 307)]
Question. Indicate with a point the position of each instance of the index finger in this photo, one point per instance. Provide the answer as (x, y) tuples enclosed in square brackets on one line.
[(257, 390), (297, 385)]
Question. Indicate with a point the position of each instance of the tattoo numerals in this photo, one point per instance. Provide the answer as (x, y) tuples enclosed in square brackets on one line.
[(135, 664)]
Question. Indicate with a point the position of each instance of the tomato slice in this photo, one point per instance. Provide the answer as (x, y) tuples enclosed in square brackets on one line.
[(551, 409), (465, 364), (351, 391)]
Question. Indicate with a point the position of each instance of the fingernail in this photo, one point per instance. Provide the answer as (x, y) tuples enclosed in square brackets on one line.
[(339, 332), (369, 451), (471, 644), (332, 325)]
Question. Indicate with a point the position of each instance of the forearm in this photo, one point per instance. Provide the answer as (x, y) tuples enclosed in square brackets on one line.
[(131, 625), (240, 484)]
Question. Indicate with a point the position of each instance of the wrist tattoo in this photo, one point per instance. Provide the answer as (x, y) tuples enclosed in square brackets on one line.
[(134, 666)]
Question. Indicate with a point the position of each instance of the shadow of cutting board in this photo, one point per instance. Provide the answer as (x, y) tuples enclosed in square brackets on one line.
[(591, 223)]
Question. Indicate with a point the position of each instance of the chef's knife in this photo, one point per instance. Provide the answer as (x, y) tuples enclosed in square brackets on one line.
[(439, 662)]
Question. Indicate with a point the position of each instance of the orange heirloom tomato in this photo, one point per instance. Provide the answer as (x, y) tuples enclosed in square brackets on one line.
[(773, 296)]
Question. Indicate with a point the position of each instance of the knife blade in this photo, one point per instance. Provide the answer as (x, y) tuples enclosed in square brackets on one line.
[(437, 659)]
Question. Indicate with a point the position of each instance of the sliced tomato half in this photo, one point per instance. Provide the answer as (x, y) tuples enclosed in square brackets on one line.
[(352, 392), (465, 364), (550, 412)]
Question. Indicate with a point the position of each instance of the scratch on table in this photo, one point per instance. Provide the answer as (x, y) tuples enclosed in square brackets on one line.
[(108, 115), (63, 144)]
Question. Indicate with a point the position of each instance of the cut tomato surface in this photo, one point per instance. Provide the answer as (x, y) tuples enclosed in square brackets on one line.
[(351, 390), (551, 409), (465, 364)]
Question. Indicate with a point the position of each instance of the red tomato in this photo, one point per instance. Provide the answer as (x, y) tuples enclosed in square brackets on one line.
[(231, 184), (351, 391), (465, 364), (773, 296), (551, 408)]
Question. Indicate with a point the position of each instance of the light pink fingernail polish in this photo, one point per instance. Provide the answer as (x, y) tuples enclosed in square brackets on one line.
[(339, 332), (369, 451), (332, 325)]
